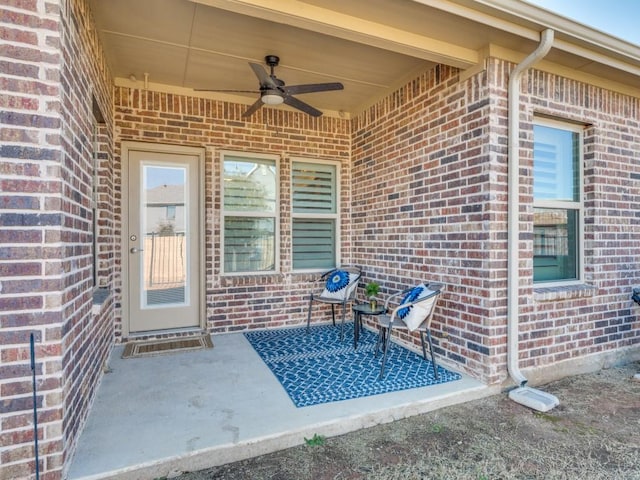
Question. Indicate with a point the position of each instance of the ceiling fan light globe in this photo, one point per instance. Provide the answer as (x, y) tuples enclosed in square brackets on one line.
[(272, 99)]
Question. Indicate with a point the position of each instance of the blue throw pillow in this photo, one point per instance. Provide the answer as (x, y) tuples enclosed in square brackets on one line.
[(411, 296), (414, 315), (340, 284)]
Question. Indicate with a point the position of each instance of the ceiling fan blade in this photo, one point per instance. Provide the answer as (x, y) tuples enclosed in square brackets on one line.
[(313, 87), (263, 76), (224, 91), (300, 105), (253, 108)]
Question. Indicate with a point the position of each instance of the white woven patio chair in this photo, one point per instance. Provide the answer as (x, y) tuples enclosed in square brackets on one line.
[(335, 287), (413, 313)]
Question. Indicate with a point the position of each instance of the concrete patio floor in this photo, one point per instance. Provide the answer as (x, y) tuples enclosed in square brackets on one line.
[(157, 416)]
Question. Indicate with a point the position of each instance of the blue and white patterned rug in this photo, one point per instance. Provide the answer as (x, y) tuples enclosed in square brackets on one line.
[(317, 367)]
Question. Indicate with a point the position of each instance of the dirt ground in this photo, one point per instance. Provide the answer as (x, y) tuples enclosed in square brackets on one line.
[(593, 434)]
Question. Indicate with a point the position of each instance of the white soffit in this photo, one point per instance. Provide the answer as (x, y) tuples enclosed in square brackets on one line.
[(371, 46)]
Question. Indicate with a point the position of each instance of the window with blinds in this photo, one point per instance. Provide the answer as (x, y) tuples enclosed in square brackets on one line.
[(249, 211), (314, 187), (557, 191)]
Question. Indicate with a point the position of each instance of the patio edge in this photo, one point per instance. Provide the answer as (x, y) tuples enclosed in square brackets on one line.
[(229, 453)]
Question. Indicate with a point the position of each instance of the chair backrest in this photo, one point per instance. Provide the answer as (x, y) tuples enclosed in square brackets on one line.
[(341, 283), (421, 302)]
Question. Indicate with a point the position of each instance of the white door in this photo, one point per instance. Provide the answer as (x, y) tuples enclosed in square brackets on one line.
[(163, 240)]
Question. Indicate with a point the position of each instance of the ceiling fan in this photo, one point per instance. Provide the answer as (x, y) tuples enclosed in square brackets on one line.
[(274, 92)]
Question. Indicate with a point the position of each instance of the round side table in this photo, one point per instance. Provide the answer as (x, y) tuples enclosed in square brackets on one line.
[(358, 311)]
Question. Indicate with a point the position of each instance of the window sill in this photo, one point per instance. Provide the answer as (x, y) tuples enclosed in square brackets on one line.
[(100, 296), (563, 292), (235, 275)]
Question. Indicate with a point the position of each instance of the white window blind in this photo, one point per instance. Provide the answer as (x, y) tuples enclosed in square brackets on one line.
[(557, 187), (314, 188), (315, 215), (250, 192)]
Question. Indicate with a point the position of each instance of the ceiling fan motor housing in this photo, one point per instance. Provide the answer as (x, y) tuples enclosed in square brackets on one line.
[(272, 60)]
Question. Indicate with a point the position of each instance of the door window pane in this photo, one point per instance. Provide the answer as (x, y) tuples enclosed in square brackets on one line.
[(164, 253)]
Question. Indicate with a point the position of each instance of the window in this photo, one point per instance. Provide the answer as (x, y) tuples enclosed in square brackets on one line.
[(557, 191), (314, 187), (249, 213), (171, 212)]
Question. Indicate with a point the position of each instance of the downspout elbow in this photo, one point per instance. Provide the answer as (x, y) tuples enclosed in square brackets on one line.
[(513, 213)]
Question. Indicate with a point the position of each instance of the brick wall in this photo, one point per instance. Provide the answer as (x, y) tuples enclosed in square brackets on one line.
[(86, 139), (430, 163), (253, 301), (50, 76), (30, 224), (565, 324), (429, 207), (104, 195)]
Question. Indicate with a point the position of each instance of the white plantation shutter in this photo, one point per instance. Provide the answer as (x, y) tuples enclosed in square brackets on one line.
[(556, 172), (313, 243), (249, 193), (249, 244), (249, 185), (314, 188), (557, 192), (314, 203), (545, 170)]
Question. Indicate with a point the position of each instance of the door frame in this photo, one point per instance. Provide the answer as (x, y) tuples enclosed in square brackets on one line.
[(199, 152)]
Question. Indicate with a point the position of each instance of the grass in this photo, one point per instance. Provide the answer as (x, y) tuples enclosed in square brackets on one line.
[(316, 440), (436, 428), (590, 436)]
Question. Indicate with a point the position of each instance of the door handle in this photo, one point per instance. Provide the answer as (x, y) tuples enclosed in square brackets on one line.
[(136, 250)]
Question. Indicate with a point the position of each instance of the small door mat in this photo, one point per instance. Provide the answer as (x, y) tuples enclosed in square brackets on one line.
[(151, 348)]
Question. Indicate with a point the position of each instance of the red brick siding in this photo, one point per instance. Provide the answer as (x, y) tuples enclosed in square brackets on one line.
[(87, 337), (253, 301), (572, 323), (50, 72), (426, 207), (104, 198), (30, 221), (430, 165)]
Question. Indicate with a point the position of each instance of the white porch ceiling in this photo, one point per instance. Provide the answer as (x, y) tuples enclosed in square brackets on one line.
[(371, 46)]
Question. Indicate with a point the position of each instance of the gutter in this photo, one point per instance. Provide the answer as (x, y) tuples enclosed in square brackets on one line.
[(527, 396), (569, 28)]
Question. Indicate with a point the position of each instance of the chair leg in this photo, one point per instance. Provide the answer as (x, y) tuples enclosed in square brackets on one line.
[(309, 312), (385, 350), (424, 350), (344, 313), (380, 340), (433, 356), (333, 314)]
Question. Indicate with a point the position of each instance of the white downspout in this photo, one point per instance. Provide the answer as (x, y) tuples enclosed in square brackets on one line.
[(513, 212)]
